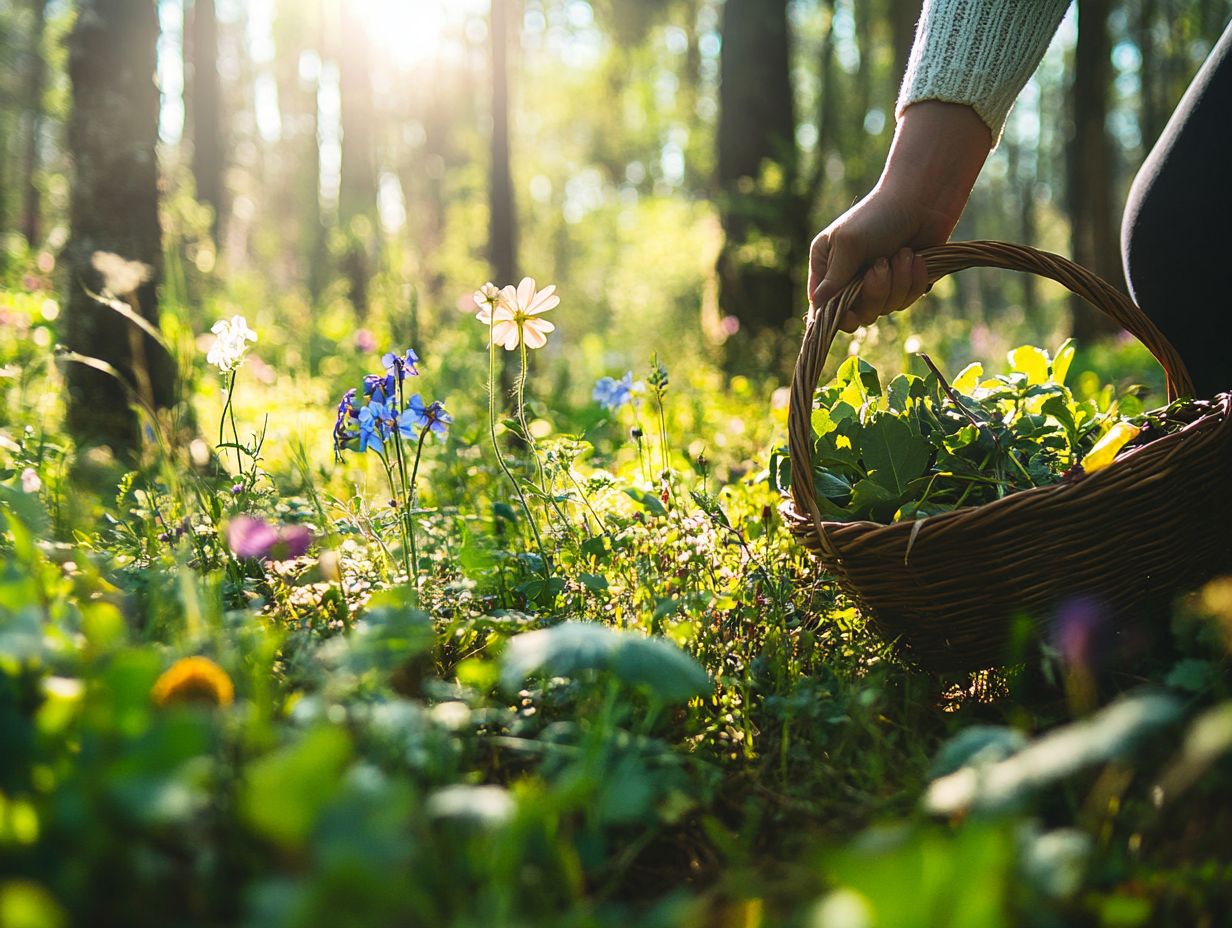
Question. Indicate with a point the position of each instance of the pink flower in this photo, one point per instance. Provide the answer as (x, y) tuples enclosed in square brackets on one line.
[(249, 536)]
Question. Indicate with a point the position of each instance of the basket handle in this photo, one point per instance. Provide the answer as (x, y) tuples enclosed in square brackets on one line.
[(822, 326)]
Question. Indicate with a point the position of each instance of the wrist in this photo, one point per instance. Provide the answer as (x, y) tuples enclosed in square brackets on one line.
[(938, 151)]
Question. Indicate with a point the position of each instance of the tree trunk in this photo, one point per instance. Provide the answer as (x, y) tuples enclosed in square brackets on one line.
[(1095, 242), (36, 76), (205, 108), (759, 204), (357, 191), (112, 133), (904, 14), (502, 229)]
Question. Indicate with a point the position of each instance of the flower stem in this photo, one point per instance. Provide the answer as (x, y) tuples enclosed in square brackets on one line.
[(410, 495), (229, 407), (500, 458), (393, 490), (530, 441)]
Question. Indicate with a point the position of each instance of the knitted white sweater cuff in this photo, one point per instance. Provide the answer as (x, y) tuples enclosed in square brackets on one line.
[(978, 52)]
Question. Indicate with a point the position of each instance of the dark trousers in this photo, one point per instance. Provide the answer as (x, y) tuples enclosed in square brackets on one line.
[(1176, 236)]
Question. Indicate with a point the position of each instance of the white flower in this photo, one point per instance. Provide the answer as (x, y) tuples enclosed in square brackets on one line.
[(514, 317), (227, 352), (30, 482), (486, 297)]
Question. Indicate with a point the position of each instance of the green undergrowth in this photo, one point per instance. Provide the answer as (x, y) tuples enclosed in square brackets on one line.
[(650, 709)]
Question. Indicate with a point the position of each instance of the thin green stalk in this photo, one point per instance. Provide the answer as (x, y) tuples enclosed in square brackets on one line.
[(530, 440), (393, 490), (229, 407), (500, 458), (410, 497)]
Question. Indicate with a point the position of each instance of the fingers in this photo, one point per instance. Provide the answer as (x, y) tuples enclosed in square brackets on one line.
[(888, 286)]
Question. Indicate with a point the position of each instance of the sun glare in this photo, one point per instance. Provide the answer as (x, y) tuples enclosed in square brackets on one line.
[(409, 32)]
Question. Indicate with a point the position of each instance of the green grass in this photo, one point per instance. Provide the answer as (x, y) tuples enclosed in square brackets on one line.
[(400, 753)]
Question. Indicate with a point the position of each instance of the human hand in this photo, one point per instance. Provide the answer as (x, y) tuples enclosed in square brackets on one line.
[(937, 154)]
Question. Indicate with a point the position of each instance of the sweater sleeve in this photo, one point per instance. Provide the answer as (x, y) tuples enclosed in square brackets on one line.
[(978, 52)]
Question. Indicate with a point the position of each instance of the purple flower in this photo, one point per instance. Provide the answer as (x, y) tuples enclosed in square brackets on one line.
[(293, 541), (401, 366), (416, 417), (365, 341), (248, 536), (251, 537), (343, 427)]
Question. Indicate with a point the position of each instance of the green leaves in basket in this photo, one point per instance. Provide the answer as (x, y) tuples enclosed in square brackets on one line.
[(920, 446)]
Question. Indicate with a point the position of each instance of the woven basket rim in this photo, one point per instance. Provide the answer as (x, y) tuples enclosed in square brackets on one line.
[(868, 529)]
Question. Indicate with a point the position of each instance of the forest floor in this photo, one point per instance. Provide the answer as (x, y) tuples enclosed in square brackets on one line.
[(588, 680)]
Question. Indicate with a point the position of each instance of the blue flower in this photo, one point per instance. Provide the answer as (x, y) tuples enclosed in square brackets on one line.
[(375, 421), (416, 417), (612, 394), (401, 366), (380, 388), (343, 426)]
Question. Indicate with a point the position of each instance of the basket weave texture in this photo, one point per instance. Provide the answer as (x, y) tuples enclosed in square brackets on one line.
[(950, 588)]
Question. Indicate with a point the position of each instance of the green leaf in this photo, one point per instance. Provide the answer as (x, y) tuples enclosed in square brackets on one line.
[(1061, 362), (597, 546), (285, 792), (571, 647), (857, 372), (893, 454), (596, 583), (870, 499), (649, 501), (831, 485)]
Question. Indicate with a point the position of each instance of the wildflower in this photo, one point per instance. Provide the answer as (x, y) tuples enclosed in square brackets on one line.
[(120, 276), (612, 394), (514, 318), (30, 482), (248, 536), (380, 388), (487, 297), (237, 489), (194, 679), (401, 366), (417, 417), (342, 427), (365, 341), (375, 423), (293, 541), (227, 352)]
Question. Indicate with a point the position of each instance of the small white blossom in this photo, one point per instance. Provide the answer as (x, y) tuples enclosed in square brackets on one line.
[(227, 352), (30, 482)]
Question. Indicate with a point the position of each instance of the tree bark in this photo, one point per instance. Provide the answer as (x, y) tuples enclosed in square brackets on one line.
[(502, 229), (205, 109), (1091, 174), (36, 77), (759, 206), (357, 191), (112, 132)]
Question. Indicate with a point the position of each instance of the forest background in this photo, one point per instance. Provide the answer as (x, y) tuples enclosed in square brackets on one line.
[(358, 164)]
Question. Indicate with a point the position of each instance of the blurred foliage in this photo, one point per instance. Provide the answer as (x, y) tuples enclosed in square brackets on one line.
[(398, 754)]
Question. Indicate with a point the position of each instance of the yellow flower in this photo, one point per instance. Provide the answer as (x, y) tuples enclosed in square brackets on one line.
[(514, 316), (194, 679)]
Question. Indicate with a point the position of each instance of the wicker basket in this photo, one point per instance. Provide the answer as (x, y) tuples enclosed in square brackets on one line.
[(950, 588)]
